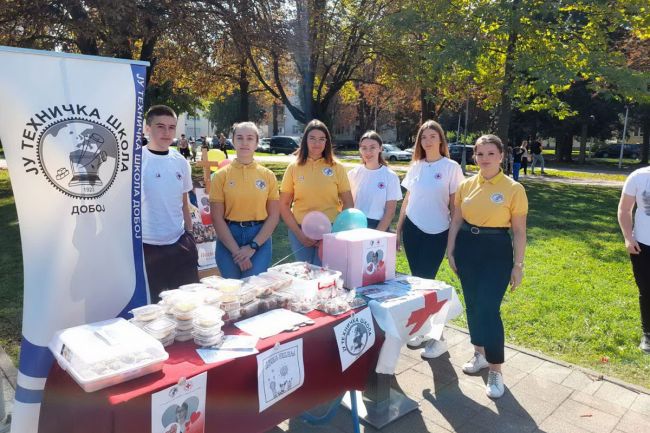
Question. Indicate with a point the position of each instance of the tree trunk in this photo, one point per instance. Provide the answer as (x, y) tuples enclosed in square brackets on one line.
[(243, 94), (275, 118), (645, 145), (505, 107), (427, 107), (583, 142)]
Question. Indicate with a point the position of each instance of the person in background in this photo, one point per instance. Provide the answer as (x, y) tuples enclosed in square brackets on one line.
[(222, 144), (636, 191), (244, 208), (517, 156), (431, 183), (536, 149), (170, 253), (375, 187), (525, 157), (484, 257), (184, 146), (314, 182)]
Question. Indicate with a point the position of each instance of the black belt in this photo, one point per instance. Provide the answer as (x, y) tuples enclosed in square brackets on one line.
[(245, 223), (483, 230)]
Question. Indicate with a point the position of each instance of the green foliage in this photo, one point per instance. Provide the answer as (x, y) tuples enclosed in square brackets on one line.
[(224, 112), (182, 101)]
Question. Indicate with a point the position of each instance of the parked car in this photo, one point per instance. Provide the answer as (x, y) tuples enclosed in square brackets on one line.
[(393, 153), (614, 151), (284, 144), (456, 152), (264, 145)]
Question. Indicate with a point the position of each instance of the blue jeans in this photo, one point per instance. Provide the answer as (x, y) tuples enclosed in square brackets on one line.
[(302, 253), (243, 235), (515, 170)]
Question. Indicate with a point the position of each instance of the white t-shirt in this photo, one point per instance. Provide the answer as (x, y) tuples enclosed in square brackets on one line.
[(165, 178), (638, 185), (429, 185), (371, 189)]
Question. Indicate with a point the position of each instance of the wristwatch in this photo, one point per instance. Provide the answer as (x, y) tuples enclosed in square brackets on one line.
[(254, 245)]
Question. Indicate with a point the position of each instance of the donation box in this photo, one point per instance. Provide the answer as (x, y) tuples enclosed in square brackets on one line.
[(363, 256)]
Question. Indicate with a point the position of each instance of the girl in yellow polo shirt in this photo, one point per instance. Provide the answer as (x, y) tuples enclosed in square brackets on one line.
[(244, 207), (314, 182), (484, 256)]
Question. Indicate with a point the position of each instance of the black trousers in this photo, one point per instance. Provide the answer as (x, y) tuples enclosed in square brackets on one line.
[(641, 269), (484, 264), (524, 165), (170, 266), (424, 251)]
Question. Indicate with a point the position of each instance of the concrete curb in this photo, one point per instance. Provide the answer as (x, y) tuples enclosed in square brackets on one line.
[(9, 371), (595, 374)]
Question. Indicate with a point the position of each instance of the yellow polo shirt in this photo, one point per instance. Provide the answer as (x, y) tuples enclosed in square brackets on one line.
[(316, 185), (491, 203), (244, 190)]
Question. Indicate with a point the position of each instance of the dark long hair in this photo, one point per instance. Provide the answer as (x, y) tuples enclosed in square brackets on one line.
[(303, 150), (372, 135), (419, 150)]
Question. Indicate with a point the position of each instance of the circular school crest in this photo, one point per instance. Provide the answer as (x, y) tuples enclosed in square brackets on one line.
[(356, 338), (260, 184), (79, 157), (328, 171), (381, 185), (438, 176), (497, 198)]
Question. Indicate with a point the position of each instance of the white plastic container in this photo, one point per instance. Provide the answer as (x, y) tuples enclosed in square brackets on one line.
[(102, 354), (307, 279), (160, 328), (147, 313)]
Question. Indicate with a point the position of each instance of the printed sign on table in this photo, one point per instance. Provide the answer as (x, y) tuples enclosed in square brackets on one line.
[(354, 337), (280, 371), (374, 267), (180, 408), (203, 230)]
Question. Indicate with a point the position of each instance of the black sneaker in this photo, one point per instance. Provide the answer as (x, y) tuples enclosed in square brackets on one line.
[(645, 343)]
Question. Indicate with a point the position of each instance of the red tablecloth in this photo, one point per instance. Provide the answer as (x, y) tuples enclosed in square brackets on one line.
[(232, 401)]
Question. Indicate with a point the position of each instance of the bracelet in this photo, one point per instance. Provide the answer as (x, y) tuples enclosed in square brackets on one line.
[(519, 265)]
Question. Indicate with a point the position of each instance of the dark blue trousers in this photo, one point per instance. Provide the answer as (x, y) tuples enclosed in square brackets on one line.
[(424, 251), (484, 264)]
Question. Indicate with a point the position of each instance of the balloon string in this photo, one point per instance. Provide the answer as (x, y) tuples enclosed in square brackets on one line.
[(289, 255)]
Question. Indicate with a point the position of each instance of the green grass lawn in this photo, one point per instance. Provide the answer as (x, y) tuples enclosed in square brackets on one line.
[(578, 301)]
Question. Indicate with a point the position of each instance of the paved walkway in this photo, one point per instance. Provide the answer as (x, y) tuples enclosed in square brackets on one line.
[(542, 395)]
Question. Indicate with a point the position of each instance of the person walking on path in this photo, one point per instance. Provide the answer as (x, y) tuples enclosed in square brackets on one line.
[(517, 156), (525, 157), (315, 181), (538, 158), (636, 191), (485, 258), (244, 207), (375, 187), (431, 184)]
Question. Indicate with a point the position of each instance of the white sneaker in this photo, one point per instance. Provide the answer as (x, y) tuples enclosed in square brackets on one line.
[(476, 364), (494, 387), (417, 341), (434, 349)]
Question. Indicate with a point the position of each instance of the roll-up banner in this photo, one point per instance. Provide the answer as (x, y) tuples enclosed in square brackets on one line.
[(71, 127)]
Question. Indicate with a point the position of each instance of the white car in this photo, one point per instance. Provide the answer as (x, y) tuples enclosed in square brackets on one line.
[(393, 153)]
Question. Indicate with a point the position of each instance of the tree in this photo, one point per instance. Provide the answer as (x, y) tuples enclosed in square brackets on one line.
[(224, 111)]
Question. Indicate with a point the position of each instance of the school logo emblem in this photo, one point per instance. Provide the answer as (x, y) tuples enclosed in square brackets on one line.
[(231, 183), (381, 185), (328, 172), (355, 337), (260, 184), (78, 156), (179, 176), (497, 198), (301, 178), (438, 176)]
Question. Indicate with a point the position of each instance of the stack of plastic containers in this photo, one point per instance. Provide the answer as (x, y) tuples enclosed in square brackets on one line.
[(206, 326)]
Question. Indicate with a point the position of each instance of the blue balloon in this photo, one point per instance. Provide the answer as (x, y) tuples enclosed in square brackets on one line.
[(350, 219)]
